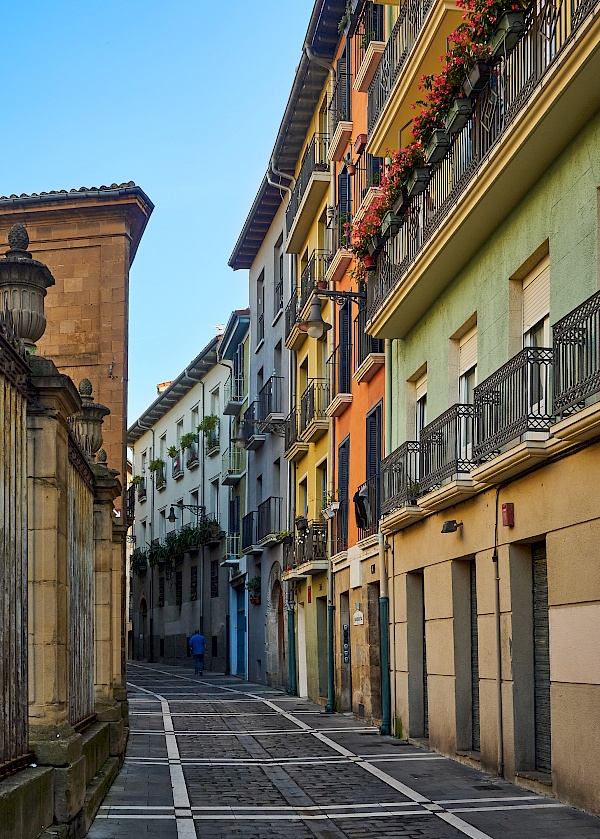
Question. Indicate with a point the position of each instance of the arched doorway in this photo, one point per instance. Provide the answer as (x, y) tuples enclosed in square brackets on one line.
[(275, 630)]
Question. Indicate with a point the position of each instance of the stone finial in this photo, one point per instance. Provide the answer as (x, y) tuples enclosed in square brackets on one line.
[(18, 238), (85, 387), (101, 456)]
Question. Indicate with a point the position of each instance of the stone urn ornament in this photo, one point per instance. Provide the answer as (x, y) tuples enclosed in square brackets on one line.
[(23, 285), (88, 422)]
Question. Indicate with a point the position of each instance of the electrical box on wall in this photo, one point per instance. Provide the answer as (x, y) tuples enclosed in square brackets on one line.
[(508, 515)]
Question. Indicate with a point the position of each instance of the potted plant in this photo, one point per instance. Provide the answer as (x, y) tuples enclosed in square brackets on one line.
[(157, 467), (370, 262), (136, 480), (511, 24), (210, 428), (458, 115), (321, 284), (350, 167), (188, 440), (284, 537), (139, 562), (418, 181), (331, 500), (253, 586), (173, 451), (376, 244), (301, 523), (401, 203), (437, 146), (477, 78), (390, 224)]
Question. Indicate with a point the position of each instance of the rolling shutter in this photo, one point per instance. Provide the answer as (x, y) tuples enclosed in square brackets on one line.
[(467, 350), (536, 295), (421, 386), (541, 659)]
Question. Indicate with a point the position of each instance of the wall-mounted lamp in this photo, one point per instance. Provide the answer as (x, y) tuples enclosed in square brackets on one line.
[(172, 518), (239, 439), (451, 526), (315, 326)]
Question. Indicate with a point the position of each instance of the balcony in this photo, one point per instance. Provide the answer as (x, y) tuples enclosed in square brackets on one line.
[(269, 521), (369, 507), (295, 448), (130, 511), (474, 188), (233, 546), (576, 380), (400, 487), (271, 416), (177, 466), (311, 550), (233, 466), (253, 436), (211, 441), (233, 395), (160, 477), (308, 193), (513, 415), (339, 120), (191, 455), (340, 528), (394, 57), (313, 410), (312, 277), (294, 338), (339, 258), (339, 368), (369, 45), (250, 540), (369, 351), (446, 458), (142, 490), (367, 177)]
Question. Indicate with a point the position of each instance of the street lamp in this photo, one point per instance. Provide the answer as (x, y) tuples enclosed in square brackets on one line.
[(198, 509), (314, 325)]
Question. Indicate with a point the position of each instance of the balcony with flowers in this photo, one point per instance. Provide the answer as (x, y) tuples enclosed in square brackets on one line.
[(446, 192)]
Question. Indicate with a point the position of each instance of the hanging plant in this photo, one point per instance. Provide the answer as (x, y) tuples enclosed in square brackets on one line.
[(188, 440), (173, 451)]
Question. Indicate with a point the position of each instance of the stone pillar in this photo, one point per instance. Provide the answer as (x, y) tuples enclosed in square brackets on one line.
[(52, 738)]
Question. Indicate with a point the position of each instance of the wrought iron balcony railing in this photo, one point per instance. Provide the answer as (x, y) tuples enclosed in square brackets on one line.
[(130, 504), (340, 527), (576, 345), (446, 447), (506, 96), (313, 274), (270, 398), (397, 49), (339, 104), (233, 463), (211, 439), (513, 401), (292, 429), (314, 160), (142, 490), (400, 478), (269, 517), (292, 313), (278, 297), (369, 28), (339, 367), (233, 545), (191, 455), (369, 507), (364, 344), (367, 174), (250, 529), (177, 465), (314, 402), (234, 389), (311, 544), (337, 233)]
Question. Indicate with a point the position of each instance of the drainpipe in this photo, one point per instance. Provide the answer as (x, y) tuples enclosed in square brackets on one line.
[(151, 650), (499, 722), (330, 707), (384, 629), (272, 170), (291, 506), (388, 396)]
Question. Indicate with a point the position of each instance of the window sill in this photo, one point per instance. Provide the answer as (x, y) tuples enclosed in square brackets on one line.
[(259, 345), (276, 318)]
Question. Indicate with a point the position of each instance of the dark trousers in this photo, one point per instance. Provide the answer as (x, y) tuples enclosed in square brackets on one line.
[(198, 662)]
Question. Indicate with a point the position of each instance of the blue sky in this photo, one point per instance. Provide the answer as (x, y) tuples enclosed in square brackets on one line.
[(184, 98)]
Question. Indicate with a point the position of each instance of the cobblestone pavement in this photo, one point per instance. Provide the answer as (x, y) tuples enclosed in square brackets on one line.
[(216, 758)]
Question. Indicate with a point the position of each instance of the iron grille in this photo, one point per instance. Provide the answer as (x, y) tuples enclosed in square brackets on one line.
[(446, 447), (400, 478), (576, 345)]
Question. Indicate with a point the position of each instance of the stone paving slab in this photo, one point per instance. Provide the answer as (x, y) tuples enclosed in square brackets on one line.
[(246, 762)]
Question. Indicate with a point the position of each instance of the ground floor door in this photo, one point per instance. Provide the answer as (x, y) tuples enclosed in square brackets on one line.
[(302, 676), (241, 631)]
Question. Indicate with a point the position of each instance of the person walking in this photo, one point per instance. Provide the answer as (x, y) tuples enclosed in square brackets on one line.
[(197, 647)]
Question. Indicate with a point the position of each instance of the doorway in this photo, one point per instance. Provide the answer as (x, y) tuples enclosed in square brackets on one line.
[(302, 676), (345, 653), (241, 632)]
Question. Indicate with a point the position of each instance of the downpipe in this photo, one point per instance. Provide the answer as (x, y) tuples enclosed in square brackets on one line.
[(292, 684)]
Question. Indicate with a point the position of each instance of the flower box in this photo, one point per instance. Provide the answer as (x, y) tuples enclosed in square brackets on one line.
[(401, 204), (391, 224), (418, 181), (255, 601), (360, 144), (458, 115), (437, 147), (370, 263), (376, 244), (506, 37), (477, 78)]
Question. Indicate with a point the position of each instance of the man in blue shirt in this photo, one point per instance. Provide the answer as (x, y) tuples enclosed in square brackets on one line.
[(197, 646)]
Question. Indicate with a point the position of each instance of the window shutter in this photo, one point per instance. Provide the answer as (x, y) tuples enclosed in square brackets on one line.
[(343, 469), (373, 442), (536, 295), (345, 349), (343, 86), (467, 349), (344, 194)]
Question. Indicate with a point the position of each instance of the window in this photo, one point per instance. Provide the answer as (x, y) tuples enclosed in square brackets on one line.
[(144, 462), (213, 646), (162, 523), (321, 487), (178, 588), (536, 306), (194, 514), (215, 407), (260, 308), (179, 432), (302, 506), (144, 536), (421, 405), (343, 484), (193, 582), (467, 379), (179, 524), (278, 276), (214, 497), (162, 448), (195, 418), (161, 591), (374, 438), (214, 578)]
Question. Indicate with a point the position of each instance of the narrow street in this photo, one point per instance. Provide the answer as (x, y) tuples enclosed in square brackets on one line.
[(215, 757)]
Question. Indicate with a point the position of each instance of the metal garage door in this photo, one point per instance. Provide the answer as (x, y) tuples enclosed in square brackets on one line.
[(541, 659)]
